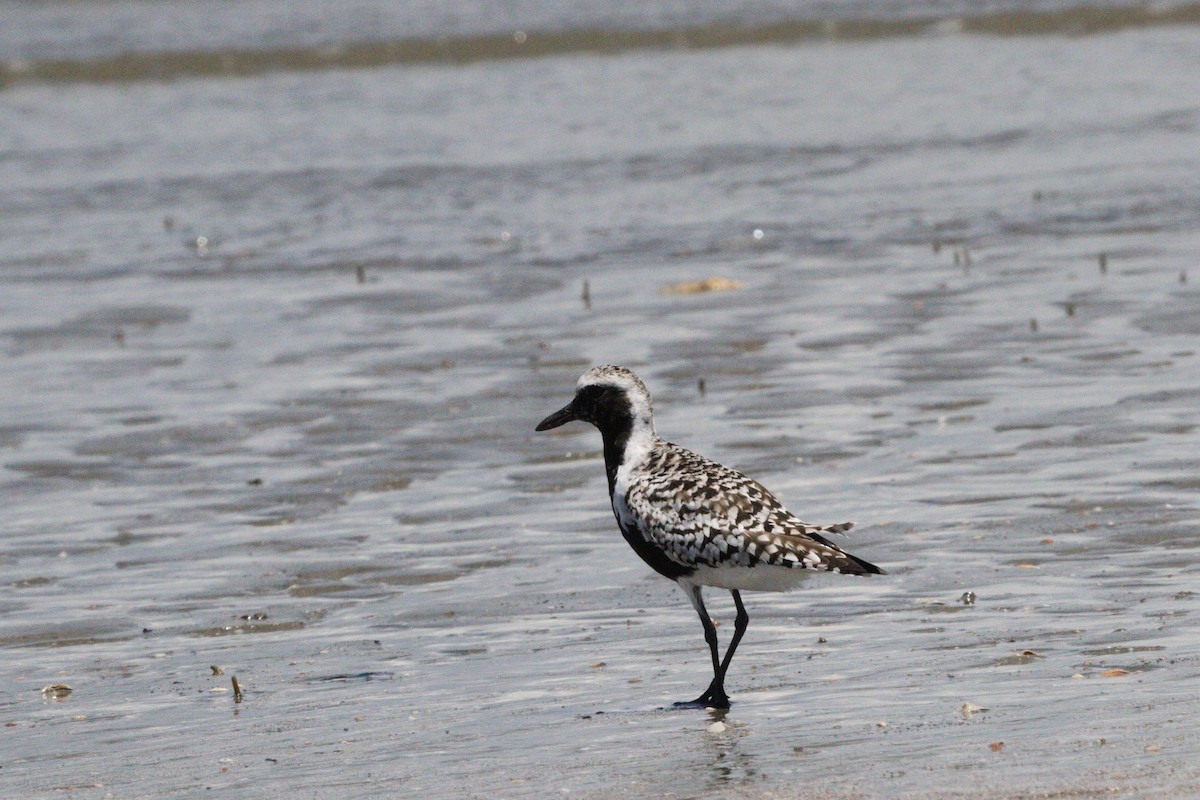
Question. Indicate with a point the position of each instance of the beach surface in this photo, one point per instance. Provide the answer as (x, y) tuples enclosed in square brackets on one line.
[(278, 319)]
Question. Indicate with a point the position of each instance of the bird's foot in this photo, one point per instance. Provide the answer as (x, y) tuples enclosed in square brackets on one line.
[(714, 697)]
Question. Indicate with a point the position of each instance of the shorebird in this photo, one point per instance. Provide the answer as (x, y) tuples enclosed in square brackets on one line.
[(693, 520)]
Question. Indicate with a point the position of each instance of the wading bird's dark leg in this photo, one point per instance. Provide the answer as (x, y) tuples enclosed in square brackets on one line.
[(739, 628), (714, 696)]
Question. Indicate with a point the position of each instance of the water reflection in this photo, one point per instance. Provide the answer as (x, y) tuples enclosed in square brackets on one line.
[(354, 459)]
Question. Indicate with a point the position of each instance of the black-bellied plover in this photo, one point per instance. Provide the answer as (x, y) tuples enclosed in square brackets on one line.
[(693, 520)]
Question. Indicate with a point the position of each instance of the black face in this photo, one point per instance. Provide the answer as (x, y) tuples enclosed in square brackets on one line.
[(606, 407)]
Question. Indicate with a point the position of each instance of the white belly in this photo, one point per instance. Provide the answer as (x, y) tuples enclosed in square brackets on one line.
[(760, 578)]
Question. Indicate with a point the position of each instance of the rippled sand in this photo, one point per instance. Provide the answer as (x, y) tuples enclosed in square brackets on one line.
[(273, 348)]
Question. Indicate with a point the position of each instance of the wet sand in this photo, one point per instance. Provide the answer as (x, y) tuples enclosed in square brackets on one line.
[(273, 348)]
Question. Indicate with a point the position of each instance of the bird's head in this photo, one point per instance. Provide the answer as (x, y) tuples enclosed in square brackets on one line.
[(611, 398)]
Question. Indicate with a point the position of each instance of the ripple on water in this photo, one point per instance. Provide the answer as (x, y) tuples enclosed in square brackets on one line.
[(326, 418)]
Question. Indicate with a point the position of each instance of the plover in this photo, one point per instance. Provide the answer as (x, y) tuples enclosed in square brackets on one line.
[(693, 520)]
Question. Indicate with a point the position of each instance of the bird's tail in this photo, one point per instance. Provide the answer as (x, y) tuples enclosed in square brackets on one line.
[(839, 559), (859, 566)]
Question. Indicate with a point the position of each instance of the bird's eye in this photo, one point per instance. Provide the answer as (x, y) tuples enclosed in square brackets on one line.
[(593, 393)]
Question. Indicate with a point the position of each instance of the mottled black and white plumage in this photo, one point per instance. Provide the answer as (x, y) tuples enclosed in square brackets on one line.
[(692, 519)]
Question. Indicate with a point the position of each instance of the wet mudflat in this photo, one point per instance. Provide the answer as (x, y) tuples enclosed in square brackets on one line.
[(272, 349)]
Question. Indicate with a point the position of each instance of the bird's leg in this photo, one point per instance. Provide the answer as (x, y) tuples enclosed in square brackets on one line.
[(739, 628), (714, 696)]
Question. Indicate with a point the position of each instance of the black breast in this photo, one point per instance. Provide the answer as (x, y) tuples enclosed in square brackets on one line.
[(608, 408), (652, 555)]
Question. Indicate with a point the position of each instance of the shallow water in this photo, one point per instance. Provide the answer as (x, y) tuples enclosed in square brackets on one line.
[(273, 347)]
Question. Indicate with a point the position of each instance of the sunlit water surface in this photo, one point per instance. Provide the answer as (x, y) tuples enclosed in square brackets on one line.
[(272, 349)]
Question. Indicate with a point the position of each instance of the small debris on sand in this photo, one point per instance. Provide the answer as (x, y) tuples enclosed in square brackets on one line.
[(701, 287), (970, 709)]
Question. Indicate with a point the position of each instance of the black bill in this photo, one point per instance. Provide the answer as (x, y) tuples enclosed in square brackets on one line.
[(560, 417)]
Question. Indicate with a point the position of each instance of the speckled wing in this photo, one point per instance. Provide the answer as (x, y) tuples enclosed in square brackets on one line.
[(700, 513)]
